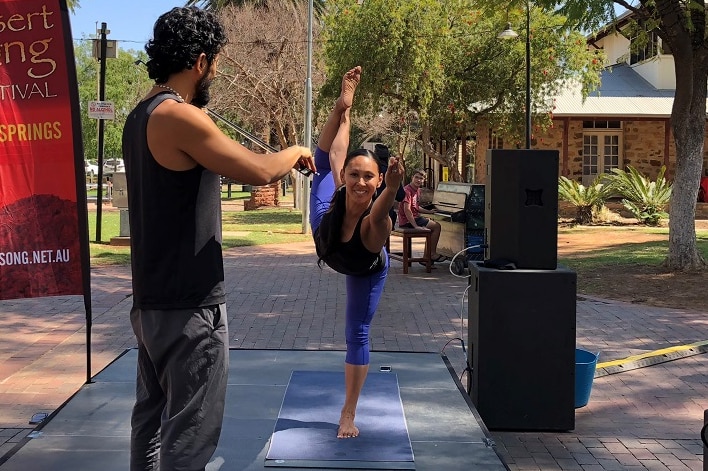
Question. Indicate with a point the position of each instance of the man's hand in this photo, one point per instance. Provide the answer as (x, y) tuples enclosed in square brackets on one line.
[(305, 161)]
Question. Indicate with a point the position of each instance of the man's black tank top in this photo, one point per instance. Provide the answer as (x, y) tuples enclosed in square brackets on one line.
[(175, 224)]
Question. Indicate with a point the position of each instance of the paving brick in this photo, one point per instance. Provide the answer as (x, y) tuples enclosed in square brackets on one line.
[(585, 458), (568, 464), (654, 465), (643, 419)]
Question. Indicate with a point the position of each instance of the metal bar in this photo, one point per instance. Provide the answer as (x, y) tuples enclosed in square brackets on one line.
[(528, 75), (263, 145), (243, 132), (305, 194)]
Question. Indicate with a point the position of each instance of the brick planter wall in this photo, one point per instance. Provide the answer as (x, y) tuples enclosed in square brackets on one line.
[(268, 196)]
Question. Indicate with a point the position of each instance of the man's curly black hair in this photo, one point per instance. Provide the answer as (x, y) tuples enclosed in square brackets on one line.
[(179, 36)]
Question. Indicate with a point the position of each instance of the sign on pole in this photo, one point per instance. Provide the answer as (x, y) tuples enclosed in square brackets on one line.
[(102, 110)]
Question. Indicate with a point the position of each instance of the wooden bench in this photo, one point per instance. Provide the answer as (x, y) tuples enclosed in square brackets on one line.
[(408, 234)]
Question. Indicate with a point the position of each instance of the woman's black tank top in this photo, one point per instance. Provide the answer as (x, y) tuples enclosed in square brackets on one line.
[(351, 257)]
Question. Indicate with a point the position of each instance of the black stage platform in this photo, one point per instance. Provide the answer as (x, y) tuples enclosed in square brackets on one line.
[(91, 431)]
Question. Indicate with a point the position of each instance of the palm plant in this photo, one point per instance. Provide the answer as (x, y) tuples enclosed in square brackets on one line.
[(587, 200), (219, 4), (645, 199), (215, 5)]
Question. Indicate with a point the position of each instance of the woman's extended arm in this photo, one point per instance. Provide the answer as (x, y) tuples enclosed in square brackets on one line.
[(376, 227)]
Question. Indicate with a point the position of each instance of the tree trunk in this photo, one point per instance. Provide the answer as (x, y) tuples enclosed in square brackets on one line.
[(296, 190), (688, 122), (449, 161), (583, 215)]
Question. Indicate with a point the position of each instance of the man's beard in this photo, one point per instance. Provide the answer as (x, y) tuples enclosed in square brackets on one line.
[(201, 94)]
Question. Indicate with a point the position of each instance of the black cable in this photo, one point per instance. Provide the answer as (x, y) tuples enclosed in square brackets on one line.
[(448, 343), (468, 367)]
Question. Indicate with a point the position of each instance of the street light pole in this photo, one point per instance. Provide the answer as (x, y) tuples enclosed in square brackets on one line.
[(103, 46), (528, 75), (509, 33), (308, 121)]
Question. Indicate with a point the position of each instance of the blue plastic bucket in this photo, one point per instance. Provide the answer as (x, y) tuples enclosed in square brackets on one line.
[(585, 364)]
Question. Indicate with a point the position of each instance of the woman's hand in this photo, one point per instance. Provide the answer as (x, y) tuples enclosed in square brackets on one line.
[(394, 174)]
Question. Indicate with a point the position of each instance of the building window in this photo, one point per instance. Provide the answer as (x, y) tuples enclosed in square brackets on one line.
[(495, 142), (601, 153), (646, 47), (602, 125)]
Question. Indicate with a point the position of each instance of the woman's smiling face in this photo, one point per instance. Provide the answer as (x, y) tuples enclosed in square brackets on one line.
[(361, 178)]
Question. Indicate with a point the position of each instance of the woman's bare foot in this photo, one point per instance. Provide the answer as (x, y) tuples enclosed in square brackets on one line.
[(349, 83), (347, 429)]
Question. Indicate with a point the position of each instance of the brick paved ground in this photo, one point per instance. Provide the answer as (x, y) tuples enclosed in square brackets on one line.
[(647, 418)]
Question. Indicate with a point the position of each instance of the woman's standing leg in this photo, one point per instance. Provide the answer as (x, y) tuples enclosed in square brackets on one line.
[(354, 379), (363, 295)]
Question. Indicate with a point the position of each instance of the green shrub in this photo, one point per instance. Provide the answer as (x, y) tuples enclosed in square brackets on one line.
[(587, 200), (645, 199)]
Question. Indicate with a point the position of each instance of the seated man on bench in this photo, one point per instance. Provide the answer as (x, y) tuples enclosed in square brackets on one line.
[(409, 214)]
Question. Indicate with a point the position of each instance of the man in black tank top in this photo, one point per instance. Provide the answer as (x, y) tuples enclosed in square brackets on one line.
[(174, 154)]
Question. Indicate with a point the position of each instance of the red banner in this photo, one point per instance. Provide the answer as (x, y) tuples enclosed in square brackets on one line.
[(40, 151)]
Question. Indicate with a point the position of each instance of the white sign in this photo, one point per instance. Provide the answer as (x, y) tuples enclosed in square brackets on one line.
[(102, 110)]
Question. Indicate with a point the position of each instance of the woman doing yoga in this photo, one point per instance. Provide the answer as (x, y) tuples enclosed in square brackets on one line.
[(350, 229)]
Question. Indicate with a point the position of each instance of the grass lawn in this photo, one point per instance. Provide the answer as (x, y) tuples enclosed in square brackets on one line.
[(92, 192), (610, 251), (240, 228), (602, 249), (625, 263)]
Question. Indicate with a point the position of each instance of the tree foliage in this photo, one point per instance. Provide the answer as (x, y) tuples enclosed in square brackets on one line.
[(683, 27), (438, 67), (219, 4), (262, 70), (126, 83), (72, 4), (216, 5)]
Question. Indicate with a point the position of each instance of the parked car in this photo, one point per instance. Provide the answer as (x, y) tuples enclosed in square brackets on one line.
[(113, 166), (91, 169)]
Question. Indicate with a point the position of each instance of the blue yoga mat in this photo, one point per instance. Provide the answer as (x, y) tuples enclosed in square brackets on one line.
[(305, 433)]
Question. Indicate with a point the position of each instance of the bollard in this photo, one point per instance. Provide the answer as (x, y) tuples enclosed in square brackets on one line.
[(704, 439)]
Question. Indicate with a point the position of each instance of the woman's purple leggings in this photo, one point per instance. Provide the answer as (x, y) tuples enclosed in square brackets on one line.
[(363, 292)]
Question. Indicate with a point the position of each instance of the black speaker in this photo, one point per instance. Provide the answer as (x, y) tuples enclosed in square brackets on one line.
[(522, 347), (521, 218)]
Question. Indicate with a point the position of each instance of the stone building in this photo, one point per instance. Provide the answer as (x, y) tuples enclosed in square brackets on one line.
[(625, 122)]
